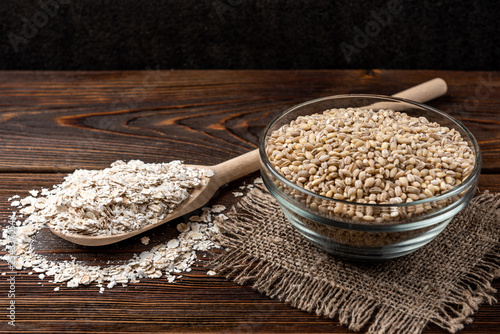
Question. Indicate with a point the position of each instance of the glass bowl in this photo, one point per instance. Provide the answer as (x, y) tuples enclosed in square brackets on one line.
[(341, 227)]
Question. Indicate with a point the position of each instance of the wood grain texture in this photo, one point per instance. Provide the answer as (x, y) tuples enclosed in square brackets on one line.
[(74, 120), (52, 123)]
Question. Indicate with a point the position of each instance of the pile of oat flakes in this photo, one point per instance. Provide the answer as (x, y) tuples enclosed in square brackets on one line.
[(146, 195), (118, 199)]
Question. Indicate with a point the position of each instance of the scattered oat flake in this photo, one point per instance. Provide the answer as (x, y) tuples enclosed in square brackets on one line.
[(145, 240), (28, 201), (195, 218), (194, 235), (86, 198), (174, 243), (222, 216), (237, 194), (258, 180), (206, 216), (56, 289), (75, 282), (211, 273), (218, 208), (15, 203), (182, 227), (34, 193)]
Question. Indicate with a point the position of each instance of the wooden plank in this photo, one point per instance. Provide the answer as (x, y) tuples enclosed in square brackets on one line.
[(52, 123), (61, 121)]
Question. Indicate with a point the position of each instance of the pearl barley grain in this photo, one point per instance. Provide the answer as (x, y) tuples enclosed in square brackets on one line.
[(366, 156)]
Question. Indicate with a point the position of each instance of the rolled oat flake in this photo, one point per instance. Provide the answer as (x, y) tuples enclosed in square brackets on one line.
[(118, 199)]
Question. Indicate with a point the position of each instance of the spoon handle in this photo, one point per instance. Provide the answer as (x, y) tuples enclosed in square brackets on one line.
[(424, 92), (238, 167)]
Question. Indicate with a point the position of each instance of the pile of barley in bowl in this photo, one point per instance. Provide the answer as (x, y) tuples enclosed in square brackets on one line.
[(365, 156)]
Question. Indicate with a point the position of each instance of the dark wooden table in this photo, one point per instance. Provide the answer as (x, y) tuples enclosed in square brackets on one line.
[(52, 123)]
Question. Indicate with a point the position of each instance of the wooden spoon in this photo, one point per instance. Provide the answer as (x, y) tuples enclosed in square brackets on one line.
[(232, 170), (223, 173)]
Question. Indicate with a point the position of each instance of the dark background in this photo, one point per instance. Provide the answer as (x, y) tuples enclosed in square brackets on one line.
[(247, 34)]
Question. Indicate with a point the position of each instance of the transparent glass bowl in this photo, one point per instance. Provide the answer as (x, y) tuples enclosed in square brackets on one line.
[(340, 229)]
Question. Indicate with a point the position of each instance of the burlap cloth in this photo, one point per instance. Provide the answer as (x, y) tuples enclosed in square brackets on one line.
[(442, 283)]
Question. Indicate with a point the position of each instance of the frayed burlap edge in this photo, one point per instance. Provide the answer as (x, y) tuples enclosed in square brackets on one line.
[(328, 299)]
